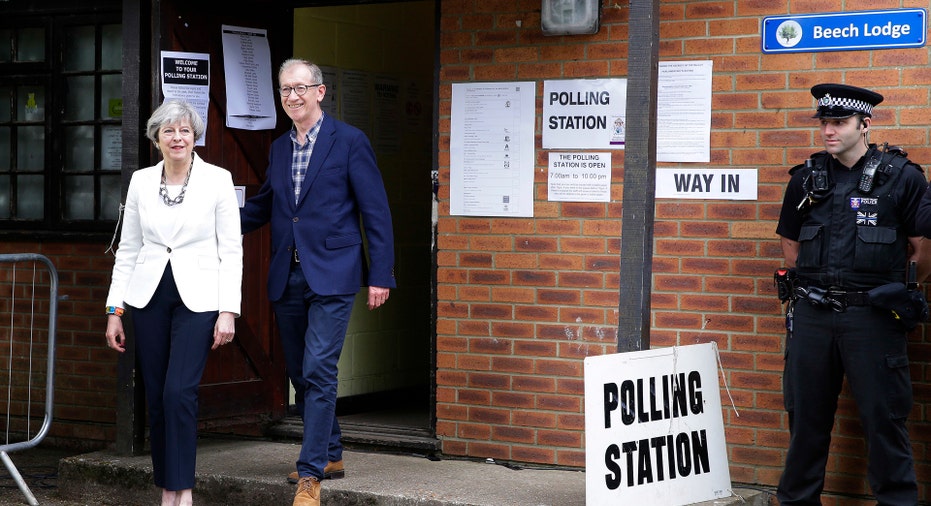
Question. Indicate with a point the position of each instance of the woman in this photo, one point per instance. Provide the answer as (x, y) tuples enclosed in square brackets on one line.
[(178, 273)]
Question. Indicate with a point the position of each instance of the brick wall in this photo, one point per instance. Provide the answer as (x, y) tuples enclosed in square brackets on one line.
[(85, 369), (521, 302)]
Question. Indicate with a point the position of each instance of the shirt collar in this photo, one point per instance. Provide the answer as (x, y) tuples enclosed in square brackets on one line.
[(311, 134)]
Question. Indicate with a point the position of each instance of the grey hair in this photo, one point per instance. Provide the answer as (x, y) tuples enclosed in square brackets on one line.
[(173, 111), (315, 73)]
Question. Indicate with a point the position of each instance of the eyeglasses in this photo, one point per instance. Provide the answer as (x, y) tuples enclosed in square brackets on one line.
[(300, 89)]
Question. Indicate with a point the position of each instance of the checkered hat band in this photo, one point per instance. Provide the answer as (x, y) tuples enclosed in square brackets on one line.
[(850, 104)]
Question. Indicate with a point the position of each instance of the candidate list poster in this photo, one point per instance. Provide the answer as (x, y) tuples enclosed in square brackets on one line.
[(654, 430), (491, 149)]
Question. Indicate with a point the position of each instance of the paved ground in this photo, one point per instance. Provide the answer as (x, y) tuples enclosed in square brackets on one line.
[(251, 473), (39, 469)]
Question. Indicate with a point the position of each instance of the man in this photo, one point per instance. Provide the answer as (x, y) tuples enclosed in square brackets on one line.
[(847, 227), (322, 189)]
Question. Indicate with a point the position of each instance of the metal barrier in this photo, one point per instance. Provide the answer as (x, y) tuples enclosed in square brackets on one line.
[(24, 311)]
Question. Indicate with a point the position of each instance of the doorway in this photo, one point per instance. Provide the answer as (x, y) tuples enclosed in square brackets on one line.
[(379, 64)]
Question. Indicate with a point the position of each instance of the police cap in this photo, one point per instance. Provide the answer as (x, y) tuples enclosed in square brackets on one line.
[(840, 101)]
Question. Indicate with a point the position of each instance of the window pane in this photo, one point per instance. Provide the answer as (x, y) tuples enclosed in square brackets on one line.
[(110, 194), (79, 149), (79, 98), (4, 196), (79, 198), (111, 96), (6, 45), (79, 51), (30, 103), (31, 44), (6, 100), (30, 149), (5, 164), (30, 197), (111, 48)]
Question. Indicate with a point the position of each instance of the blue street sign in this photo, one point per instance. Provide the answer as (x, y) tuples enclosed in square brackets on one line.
[(844, 31)]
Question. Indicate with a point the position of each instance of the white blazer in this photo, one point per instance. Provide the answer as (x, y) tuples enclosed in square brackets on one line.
[(205, 248)]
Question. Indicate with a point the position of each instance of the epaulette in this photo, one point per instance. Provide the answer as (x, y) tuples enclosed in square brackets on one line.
[(900, 153), (816, 158)]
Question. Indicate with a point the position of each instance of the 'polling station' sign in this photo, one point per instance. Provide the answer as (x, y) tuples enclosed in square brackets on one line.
[(654, 431), (840, 31)]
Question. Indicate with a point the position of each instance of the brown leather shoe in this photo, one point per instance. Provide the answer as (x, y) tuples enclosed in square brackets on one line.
[(308, 492), (332, 471)]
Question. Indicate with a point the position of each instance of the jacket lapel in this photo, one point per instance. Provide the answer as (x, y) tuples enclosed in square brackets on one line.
[(321, 150)]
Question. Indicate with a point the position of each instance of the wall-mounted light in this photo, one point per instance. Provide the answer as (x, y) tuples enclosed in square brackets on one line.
[(570, 17)]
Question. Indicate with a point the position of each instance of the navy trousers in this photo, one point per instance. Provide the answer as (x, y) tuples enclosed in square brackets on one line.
[(869, 346), (172, 344), (313, 329)]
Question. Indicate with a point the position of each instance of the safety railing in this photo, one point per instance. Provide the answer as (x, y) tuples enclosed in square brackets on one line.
[(28, 312)]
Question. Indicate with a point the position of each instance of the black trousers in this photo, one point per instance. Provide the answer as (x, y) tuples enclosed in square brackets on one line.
[(869, 346), (172, 343)]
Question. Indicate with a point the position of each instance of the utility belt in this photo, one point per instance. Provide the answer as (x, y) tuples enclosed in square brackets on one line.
[(793, 288), (831, 298), (906, 302)]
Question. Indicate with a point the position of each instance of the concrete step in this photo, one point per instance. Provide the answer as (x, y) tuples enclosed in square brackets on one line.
[(238, 472)]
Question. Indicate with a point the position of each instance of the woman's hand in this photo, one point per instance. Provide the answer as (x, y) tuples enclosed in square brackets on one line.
[(116, 338), (224, 330)]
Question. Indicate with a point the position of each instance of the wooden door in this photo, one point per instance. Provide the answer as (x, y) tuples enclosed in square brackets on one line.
[(244, 384)]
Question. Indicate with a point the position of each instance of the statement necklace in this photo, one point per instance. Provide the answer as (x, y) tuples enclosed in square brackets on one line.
[(163, 188)]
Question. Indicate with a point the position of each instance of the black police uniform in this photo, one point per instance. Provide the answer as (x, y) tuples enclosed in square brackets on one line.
[(849, 242)]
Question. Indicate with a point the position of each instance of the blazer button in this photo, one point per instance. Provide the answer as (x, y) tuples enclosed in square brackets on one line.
[(295, 219), (169, 250)]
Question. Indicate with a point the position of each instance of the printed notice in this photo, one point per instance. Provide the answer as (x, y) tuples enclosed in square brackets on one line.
[(704, 183), (683, 121), (250, 96), (579, 177), (186, 76), (491, 149), (355, 99)]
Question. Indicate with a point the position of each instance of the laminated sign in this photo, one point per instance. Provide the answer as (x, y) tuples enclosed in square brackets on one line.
[(654, 431)]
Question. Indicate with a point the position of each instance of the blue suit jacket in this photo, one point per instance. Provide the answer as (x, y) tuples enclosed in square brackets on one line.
[(342, 195)]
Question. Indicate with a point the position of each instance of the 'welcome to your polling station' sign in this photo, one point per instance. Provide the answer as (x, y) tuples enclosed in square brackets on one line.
[(839, 31), (654, 431)]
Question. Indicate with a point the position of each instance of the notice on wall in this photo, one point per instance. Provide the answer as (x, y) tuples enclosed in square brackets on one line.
[(111, 147), (387, 115), (250, 95), (355, 99), (702, 183), (654, 431), (186, 76), (491, 149), (584, 113), (683, 115), (579, 177), (330, 102)]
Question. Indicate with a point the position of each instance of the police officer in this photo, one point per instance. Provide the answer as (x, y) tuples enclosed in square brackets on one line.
[(847, 226)]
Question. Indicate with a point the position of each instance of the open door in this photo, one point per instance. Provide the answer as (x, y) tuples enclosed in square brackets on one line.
[(244, 386)]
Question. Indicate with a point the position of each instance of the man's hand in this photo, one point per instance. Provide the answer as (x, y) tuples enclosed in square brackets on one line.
[(377, 296)]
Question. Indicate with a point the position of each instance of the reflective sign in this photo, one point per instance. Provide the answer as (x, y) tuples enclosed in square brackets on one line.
[(844, 31)]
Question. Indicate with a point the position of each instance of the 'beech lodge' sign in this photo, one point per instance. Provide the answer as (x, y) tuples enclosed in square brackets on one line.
[(839, 31)]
